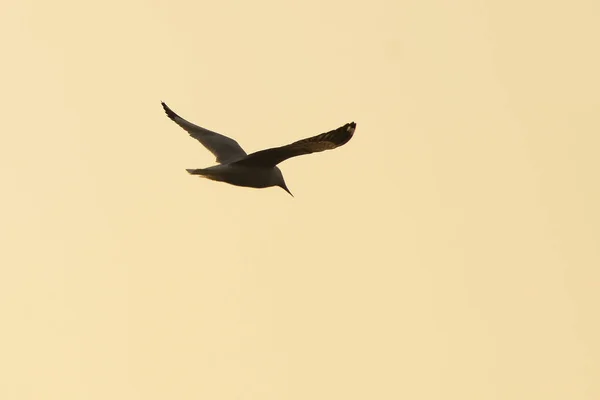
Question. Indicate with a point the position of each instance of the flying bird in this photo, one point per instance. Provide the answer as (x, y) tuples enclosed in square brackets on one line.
[(259, 169)]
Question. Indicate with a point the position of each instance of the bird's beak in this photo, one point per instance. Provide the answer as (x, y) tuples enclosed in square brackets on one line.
[(284, 187)]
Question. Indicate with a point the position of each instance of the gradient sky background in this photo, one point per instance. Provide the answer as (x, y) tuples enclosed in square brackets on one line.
[(449, 251)]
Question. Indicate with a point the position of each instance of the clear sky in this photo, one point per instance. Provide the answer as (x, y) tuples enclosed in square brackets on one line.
[(449, 251)]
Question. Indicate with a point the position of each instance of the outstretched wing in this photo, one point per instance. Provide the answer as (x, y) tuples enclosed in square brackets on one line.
[(325, 141), (225, 149)]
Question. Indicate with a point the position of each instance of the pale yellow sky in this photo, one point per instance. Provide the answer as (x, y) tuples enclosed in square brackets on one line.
[(449, 251)]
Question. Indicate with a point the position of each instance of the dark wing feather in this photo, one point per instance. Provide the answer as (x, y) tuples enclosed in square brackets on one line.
[(224, 148), (325, 141)]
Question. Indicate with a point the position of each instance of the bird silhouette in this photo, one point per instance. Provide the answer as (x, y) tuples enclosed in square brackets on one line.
[(258, 169)]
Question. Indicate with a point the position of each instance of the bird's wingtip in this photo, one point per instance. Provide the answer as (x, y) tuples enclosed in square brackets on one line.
[(351, 127), (170, 113)]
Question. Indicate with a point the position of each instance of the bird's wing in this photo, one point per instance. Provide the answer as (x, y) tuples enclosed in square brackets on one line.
[(325, 141), (225, 149)]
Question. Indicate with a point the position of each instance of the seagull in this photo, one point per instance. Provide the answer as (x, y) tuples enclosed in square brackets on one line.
[(259, 169)]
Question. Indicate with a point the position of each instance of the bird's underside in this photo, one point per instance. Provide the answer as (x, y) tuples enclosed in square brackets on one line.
[(258, 169)]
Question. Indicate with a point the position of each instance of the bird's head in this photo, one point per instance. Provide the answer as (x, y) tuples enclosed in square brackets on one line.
[(279, 181)]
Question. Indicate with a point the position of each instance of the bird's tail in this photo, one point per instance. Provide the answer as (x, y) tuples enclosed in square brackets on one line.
[(203, 173)]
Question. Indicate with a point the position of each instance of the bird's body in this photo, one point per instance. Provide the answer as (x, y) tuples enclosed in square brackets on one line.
[(256, 177), (259, 169)]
